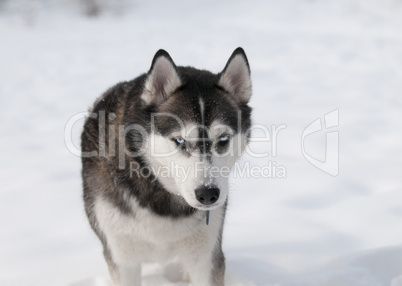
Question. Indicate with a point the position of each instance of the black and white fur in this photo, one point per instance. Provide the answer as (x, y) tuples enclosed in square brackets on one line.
[(195, 119)]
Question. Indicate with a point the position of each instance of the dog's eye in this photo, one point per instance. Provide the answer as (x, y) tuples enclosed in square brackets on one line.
[(179, 140), (224, 140)]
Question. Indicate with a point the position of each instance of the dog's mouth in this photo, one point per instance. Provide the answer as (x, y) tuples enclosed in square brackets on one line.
[(206, 207)]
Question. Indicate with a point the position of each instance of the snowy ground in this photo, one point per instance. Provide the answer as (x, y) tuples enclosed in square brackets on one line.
[(307, 58)]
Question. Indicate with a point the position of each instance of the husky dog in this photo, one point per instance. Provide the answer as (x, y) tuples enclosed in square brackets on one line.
[(156, 155)]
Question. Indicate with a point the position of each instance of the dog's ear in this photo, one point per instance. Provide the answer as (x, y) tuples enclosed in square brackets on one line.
[(235, 77), (162, 79)]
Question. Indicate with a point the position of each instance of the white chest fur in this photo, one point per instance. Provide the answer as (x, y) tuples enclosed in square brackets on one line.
[(146, 237)]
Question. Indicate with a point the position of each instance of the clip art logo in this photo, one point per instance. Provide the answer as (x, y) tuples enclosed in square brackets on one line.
[(330, 165)]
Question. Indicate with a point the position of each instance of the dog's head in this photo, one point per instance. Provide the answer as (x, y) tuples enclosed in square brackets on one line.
[(199, 126)]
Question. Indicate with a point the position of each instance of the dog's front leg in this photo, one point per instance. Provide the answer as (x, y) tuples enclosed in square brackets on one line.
[(130, 275), (207, 269)]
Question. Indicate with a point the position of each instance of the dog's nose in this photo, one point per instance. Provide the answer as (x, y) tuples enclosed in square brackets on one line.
[(207, 195)]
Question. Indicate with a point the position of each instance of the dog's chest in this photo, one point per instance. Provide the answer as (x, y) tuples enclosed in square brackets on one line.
[(145, 236)]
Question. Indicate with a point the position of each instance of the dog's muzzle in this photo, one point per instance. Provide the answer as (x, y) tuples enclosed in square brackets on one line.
[(207, 195)]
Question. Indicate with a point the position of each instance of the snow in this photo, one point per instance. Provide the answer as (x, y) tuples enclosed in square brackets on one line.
[(308, 58)]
